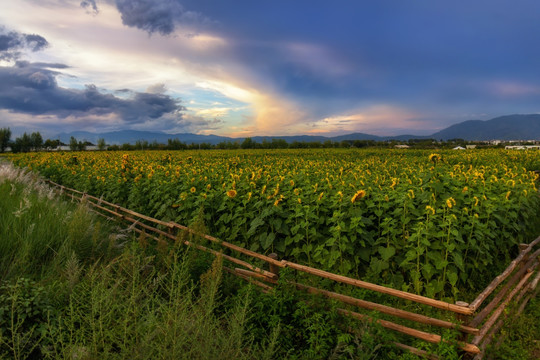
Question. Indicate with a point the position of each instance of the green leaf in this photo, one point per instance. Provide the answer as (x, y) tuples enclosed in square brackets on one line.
[(458, 260), (364, 253), (428, 271), (267, 240), (377, 265), (452, 277), (334, 255), (254, 225), (387, 252)]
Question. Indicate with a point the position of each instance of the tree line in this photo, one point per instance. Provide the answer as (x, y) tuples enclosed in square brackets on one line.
[(247, 143), (34, 142)]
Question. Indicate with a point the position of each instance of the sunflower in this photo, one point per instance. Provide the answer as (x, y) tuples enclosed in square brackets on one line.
[(434, 158), (358, 195), (231, 193)]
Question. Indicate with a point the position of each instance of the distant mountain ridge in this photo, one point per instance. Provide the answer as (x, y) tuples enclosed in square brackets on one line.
[(509, 127)]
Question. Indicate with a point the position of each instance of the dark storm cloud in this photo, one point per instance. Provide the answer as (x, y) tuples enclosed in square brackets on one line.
[(49, 65), (187, 123), (12, 43), (161, 16), (90, 6), (32, 89), (35, 42), (416, 54), (199, 122)]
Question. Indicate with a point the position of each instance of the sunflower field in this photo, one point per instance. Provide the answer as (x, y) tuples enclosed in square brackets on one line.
[(430, 223)]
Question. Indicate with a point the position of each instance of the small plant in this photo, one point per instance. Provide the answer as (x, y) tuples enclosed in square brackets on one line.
[(24, 311)]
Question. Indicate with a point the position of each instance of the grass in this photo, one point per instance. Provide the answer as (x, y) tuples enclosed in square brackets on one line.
[(70, 289), (520, 337)]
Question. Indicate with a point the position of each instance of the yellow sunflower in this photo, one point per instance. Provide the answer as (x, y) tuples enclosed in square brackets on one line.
[(358, 195)]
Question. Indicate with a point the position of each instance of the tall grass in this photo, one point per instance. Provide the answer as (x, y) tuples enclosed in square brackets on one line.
[(71, 290), (38, 235), (130, 310)]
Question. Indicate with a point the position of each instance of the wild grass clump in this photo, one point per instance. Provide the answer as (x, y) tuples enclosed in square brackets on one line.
[(38, 234), (519, 338), (70, 289)]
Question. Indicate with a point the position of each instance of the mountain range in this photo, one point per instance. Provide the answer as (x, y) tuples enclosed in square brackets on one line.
[(509, 127)]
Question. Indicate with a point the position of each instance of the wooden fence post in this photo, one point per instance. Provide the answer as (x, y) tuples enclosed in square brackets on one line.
[(274, 268), (522, 247), (464, 319)]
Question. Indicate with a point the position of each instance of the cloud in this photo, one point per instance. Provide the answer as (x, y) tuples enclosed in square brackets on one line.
[(284, 66), (509, 89), (188, 123), (161, 16), (12, 43), (378, 119), (90, 6), (32, 89), (157, 89)]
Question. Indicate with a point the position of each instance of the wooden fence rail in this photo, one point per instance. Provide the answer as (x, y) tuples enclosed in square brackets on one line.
[(482, 325)]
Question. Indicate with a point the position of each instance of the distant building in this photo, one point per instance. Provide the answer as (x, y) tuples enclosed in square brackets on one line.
[(522, 147), (470, 146), (402, 146), (459, 148)]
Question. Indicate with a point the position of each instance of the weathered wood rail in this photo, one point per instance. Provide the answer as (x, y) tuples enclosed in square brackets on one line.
[(476, 323)]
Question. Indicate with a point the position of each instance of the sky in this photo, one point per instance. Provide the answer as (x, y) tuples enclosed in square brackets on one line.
[(244, 68)]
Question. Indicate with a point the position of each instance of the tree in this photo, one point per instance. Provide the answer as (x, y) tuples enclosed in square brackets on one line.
[(279, 144), (37, 141), (175, 144), (345, 144), (73, 144), (328, 144), (127, 147), (248, 143), (22, 144), (141, 144), (5, 137), (101, 145), (81, 145), (51, 144)]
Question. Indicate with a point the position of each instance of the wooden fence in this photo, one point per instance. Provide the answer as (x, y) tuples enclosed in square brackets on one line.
[(477, 322)]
